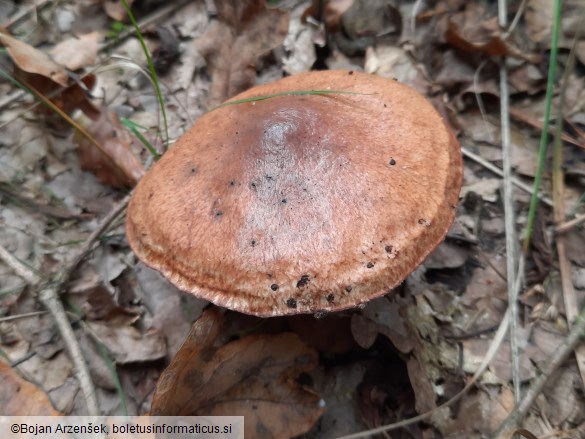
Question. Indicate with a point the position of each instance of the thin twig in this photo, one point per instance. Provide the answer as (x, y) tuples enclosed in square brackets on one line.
[(508, 202), (101, 228), (565, 227), (491, 167), (567, 346), (22, 316), (18, 267)]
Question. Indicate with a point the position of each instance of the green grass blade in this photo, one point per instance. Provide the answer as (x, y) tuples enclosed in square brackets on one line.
[(544, 135), (151, 68), (289, 93), (132, 126)]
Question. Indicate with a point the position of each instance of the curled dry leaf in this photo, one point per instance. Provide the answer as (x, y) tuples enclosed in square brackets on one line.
[(469, 31), (77, 53), (32, 60), (231, 45), (21, 398), (332, 12), (120, 167), (128, 345), (382, 316), (37, 71), (255, 377), (115, 10)]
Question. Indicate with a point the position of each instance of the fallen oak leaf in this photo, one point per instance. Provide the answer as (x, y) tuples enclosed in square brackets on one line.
[(114, 163), (470, 32), (68, 100), (37, 72), (246, 29), (21, 398), (77, 53), (255, 377), (32, 60)]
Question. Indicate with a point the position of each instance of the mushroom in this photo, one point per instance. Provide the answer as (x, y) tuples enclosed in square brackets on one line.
[(300, 203)]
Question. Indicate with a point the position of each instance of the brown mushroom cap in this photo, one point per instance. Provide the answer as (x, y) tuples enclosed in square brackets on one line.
[(301, 203)]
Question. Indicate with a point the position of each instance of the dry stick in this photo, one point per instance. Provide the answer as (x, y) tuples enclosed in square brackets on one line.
[(21, 316), (557, 358), (49, 296), (565, 227), (509, 210), (491, 167), (20, 269)]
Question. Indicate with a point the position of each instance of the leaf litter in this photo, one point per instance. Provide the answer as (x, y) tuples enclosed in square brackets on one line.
[(400, 356)]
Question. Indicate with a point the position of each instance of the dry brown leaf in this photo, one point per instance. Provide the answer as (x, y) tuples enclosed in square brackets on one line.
[(332, 12), (385, 396), (21, 398), (232, 44), (115, 10), (469, 31), (121, 168), (539, 18), (68, 100), (77, 53), (32, 60), (382, 316), (330, 334), (128, 345), (35, 70), (255, 377)]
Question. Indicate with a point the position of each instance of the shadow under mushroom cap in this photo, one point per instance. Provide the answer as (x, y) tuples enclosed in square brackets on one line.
[(301, 203)]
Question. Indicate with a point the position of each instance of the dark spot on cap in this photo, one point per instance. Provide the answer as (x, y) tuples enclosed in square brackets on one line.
[(232, 182), (218, 213), (424, 222), (330, 298), (268, 177), (370, 265), (253, 185), (193, 170), (348, 289), (150, 195), (274, 287), (304, 280), (283, 201), (392, 162), (388, 249), (350, 72), (253, 242), (385, 105), (291, 303)]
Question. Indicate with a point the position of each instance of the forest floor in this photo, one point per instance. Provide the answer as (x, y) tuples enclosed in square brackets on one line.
[(402, 355)]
